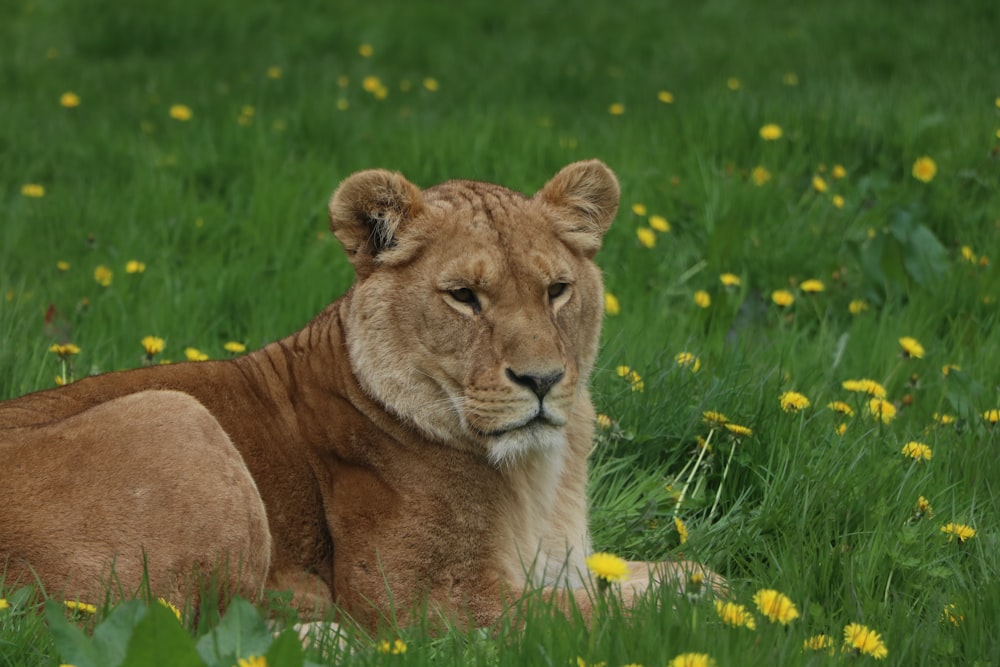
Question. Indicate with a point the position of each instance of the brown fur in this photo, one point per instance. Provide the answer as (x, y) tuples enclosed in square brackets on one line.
[(398, 442)]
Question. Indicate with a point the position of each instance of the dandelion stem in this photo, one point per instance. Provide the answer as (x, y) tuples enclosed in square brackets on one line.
[(694, 471), (718, 492)]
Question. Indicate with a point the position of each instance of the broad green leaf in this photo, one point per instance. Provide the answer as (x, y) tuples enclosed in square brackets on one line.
[(286, 650), (159, 639), (113, 634), (241, 633)]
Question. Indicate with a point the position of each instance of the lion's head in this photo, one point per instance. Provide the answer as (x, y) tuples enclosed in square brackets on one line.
[(476, 312)]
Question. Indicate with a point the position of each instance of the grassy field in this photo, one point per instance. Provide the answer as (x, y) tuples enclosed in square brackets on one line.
[(845, 153)]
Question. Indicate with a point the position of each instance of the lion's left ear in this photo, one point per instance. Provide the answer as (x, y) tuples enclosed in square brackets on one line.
[(586, 194), (366, 212)]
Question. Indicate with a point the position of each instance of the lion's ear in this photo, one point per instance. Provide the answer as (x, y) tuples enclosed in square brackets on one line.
[(366, 212), (586, 194)]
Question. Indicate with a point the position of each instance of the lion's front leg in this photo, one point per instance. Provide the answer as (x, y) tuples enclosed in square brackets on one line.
[(683, 576)]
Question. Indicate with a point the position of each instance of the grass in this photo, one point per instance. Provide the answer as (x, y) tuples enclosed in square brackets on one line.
[(227, 212)]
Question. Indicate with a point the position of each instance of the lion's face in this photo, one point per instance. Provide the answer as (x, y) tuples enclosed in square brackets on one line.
[(477, 310)]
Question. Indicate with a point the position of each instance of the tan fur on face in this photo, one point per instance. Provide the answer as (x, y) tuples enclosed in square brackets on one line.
[(424, 438)]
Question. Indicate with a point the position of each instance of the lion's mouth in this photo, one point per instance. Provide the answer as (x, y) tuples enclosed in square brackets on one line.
[(541, 419)]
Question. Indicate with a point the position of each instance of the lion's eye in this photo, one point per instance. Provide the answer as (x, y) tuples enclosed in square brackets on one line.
[(466, 296), (556, 290)]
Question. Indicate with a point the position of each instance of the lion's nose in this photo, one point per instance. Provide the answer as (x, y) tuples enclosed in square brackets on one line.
[(540, 384)]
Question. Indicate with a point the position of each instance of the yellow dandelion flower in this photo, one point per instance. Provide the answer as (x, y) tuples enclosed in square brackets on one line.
[(857, 306), (952, 615), (818, 184), (431, 84), (343, 104), (607, 567), (841, 428), (692, 660), (396, 647), (738, 430), (659, 223), (64, 349), (688, 360), (103, 275), (730, 279), (733, 83), (62, 265), (371, 83), (646, 236), (181, 112), (153, 345), (776, 606), (943, 419), (865, 386), (959, 530), (616, 109), (634, 378), (639, 209), (782, 297), (611, 305), (603, 421), (274, 72), (924, 508), (135, 266), (841, 407), (911, 347), (4, 604), (681, 528), (793, 401), (760, 175), (252, 661), (969, 255), (366, 50), (33, 190), (712, 417), (812, 286), (882, 409), (992, 416), (818, 642), (790, 79), (770, 132), (838, 171), (735, 615), (917, 450), (665, 96), (838, 201), (864, 640), (924, 169), (235, 347), (70, 100), (83, 607), (702, 299), (194, 354)]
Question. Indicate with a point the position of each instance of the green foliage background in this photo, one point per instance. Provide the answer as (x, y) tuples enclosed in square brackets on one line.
[(227, 210)]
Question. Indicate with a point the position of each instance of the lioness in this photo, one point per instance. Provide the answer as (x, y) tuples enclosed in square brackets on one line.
[(423, 439)]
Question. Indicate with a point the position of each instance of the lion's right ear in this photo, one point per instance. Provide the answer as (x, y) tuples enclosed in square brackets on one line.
[(366, 212)]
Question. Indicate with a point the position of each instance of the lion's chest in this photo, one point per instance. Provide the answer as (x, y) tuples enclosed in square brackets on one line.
[(432, 528)]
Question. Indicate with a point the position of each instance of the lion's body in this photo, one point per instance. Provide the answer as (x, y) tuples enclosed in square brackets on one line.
[(425, 435)]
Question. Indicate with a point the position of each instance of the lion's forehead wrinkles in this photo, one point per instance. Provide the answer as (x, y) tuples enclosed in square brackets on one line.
[(480, 205)]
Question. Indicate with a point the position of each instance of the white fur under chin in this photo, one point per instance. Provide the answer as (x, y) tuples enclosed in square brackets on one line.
[(506, 449)]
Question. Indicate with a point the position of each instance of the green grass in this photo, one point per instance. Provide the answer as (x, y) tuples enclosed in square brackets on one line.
[(229, 218)]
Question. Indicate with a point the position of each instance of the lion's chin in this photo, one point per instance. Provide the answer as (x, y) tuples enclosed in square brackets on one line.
[(506, 448)]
